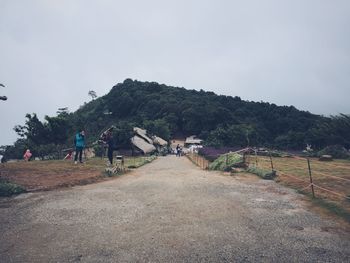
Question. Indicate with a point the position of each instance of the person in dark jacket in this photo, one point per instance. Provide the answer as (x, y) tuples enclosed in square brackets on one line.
[(79, 142), (107, 139), (110, 143)]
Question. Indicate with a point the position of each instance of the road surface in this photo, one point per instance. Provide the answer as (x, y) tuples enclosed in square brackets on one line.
[(169, 211)]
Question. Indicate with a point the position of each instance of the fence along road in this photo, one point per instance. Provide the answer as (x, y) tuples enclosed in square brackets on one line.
[(169, 211), (308, 167)]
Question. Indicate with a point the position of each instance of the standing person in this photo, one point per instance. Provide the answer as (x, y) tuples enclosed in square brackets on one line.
[(27, 155), (178, 150), (107, 139), (79, 142), (110, 143)]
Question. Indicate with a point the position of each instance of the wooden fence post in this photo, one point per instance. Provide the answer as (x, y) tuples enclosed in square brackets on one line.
[(311, 183), (271, 161), (226, 160)]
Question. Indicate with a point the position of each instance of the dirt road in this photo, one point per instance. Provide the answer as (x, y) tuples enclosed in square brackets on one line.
[(168, 211)]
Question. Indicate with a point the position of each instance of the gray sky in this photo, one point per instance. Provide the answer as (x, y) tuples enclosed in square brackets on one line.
[(292, 52)]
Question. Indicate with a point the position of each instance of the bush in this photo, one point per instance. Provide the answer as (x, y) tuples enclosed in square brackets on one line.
[(99, 150), (8, 189), (336, 151), (265, 174), (227, 161)]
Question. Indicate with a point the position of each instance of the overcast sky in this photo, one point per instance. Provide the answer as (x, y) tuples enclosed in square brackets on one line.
[(292, 52)]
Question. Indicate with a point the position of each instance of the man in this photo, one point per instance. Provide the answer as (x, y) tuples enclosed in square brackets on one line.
[(107, 139), (110, 143), (178, 150), (79, 142)]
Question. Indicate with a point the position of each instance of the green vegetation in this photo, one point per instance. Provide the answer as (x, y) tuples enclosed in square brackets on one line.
[(170, 111), (226, 162), (8, 189), (336, 151), (265, 174), (130, 163), (136, 162)]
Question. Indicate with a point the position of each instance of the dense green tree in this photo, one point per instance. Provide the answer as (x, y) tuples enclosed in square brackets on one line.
[(167, 111), (34, 130), (158, 127), (235, 135)]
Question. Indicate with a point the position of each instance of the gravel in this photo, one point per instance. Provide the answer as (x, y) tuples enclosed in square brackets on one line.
[(169, 211)]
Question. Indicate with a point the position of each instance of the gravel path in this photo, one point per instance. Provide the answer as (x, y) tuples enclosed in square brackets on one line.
[(168, 211)]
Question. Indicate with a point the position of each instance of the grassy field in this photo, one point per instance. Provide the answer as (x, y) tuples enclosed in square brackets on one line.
[(333, 176), (46, 175)]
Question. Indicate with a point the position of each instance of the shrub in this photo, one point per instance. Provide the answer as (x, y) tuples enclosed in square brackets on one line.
[(227, 161), (336, 151), (265, 174), (99, 150), (8, 189), (212, 153)]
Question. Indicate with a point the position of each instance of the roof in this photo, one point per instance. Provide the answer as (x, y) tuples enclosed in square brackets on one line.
[(142, 144), (159, 141), (143, 133), (193, 140)]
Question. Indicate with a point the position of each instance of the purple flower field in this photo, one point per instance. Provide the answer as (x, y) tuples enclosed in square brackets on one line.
[(211, 153)]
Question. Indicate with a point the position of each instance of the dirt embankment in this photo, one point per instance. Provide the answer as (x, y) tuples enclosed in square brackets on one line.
[(47, 175)]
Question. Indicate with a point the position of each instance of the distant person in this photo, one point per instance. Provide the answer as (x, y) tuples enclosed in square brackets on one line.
[(3, 159), (27, 155), (178, 150), (107, 139), (79, 142), (110, 143)]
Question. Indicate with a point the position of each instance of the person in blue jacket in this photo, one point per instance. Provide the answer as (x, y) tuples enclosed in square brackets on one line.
[(79, 142)]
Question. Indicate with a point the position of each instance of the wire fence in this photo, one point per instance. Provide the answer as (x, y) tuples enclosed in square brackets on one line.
[(328, 181), (198, 160), (322, 179)]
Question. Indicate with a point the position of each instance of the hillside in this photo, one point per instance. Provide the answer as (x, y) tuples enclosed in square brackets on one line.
[(220, 120), (171, 112)]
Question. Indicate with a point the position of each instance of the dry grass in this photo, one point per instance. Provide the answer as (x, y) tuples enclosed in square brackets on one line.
[(293, 172), (46, 175)]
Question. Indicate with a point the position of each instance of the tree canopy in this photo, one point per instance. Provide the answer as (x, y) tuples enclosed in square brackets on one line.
[(172, 111)]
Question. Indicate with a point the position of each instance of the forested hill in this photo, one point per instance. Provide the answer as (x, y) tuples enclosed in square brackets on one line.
[(220, 120), (173, 112)]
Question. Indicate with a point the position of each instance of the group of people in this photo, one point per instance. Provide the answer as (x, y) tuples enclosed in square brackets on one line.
[(106, 139), (79, 143), (178, 150)]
